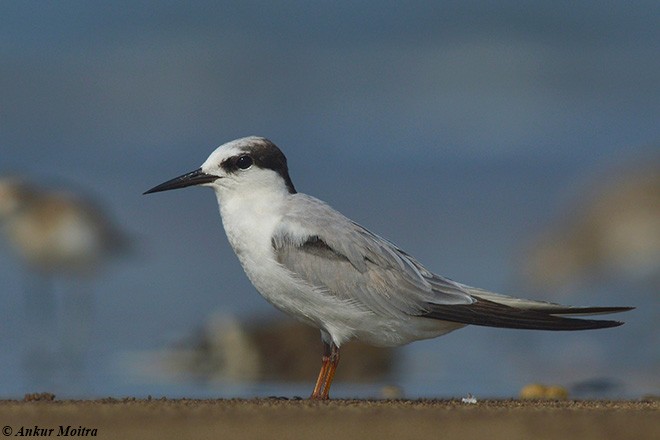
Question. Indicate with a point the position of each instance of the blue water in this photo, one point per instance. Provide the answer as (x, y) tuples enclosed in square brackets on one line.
[(467, 221), (457, 131)]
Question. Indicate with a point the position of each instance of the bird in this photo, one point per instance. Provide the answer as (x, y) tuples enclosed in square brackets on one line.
[(315, 264), (57, 234), (611, 230), (57, 231)]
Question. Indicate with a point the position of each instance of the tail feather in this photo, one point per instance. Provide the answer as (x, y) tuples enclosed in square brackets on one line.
[(526, 314)]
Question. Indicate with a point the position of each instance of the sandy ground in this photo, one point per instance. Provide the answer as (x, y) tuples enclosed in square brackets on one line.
[(336, 419)]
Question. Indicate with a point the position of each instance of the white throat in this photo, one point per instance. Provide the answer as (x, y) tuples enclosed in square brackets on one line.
[(249, 218)]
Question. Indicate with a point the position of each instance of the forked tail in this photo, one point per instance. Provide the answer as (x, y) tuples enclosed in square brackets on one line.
[(495, 310)]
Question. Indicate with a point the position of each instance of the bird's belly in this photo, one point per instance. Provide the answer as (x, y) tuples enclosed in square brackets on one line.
[(392, 332)]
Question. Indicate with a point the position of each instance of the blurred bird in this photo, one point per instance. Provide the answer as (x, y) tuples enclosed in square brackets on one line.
[(56, 234), (606, 241), (614, 228), (315, 264)]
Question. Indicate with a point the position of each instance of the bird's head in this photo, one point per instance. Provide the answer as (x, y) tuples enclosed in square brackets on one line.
[(241, 166)]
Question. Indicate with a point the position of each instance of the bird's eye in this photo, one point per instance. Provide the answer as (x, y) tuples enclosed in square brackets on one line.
[(244, 162)]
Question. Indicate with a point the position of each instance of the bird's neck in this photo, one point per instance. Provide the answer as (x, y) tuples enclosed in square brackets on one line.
[(250, 219)]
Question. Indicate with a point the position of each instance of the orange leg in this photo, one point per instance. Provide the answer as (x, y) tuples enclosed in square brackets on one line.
[(316, 394), (327, 373)]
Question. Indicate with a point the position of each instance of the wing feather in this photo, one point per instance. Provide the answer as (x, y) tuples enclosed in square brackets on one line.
[(327, 250), (331, 252)]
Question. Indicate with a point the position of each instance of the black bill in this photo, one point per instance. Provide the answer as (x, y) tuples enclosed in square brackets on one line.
[(197, 177)]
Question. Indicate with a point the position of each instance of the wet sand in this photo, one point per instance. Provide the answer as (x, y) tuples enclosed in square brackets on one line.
[(336, 419)]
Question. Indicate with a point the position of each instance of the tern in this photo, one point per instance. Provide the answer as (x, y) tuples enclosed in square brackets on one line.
[(315, 264)]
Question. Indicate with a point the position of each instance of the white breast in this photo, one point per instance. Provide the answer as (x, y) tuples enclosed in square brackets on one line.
[(249, 228)]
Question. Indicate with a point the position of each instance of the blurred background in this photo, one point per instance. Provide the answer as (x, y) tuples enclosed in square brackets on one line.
[(508, 145)]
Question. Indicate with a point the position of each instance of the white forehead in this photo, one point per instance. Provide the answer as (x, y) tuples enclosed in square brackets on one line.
[(231, 149)]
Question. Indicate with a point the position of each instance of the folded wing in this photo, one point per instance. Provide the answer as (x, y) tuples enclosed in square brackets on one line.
[(342, 258)]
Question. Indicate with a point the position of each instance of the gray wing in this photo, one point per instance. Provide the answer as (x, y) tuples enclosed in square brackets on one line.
[(335, 254), (331, 252)]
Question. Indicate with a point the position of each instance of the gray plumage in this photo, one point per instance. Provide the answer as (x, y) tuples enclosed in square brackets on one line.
[(380, 277)]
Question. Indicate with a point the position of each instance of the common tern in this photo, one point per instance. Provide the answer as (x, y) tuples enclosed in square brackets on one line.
[(322, 268)]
